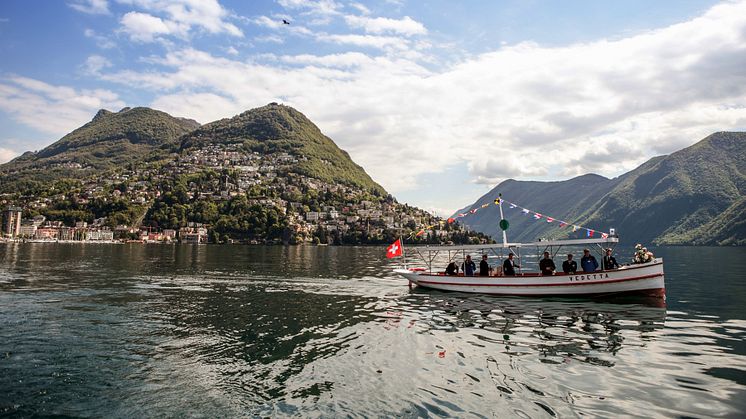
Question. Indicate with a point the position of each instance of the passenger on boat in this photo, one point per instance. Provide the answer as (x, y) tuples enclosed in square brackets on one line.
[(468, 266), (452, 269), (484, 267), (588, 261), (509, 266), (569, 266), (546, 265), (609, 262)]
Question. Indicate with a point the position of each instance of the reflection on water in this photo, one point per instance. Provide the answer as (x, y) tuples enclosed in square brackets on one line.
[(303, 331)]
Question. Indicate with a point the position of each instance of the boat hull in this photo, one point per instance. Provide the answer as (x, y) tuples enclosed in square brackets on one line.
[(645, 279)]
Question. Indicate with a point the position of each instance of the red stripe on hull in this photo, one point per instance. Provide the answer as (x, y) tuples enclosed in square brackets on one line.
[(564, 284)]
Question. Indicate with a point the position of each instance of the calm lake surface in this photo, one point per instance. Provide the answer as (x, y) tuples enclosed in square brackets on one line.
[(216, 331)]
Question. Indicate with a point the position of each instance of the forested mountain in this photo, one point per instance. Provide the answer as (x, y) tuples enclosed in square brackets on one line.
[(110, 140), (268, 175), (693, 196), (277, 128)]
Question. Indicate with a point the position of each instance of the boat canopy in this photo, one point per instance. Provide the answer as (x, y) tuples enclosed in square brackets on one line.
[(546, 243)]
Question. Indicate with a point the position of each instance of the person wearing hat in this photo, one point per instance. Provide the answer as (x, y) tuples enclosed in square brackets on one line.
[(509, 266), (588, 261), (609, 262)]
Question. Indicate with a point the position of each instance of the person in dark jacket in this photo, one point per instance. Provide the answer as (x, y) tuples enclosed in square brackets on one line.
[(452, 269), (588, 261), (609, 262), (469, 267), (509, 266), (546, 265), (484, 267), (569, 266)]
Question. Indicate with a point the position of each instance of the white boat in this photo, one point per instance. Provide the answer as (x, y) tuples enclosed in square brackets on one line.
[(645, 279)]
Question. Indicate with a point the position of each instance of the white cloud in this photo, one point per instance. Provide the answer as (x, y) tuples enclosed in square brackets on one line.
[(176, 17), (95, 63), (314, 12), (405, 26), (519, 111), (101, 41), (360, 8), (143, 27), (93, 7), (7, 155), (55, 110), (368, 41)]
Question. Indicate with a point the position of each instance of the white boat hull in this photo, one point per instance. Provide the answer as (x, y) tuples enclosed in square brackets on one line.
[(644, 279)]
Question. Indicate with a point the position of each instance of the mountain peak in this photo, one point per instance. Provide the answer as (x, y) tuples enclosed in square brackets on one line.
[(101, 113)]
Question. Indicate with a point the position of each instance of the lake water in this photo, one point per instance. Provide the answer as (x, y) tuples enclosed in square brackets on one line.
[(216, 331)]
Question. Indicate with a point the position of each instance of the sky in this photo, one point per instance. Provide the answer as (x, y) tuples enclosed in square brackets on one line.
[(438, 100)]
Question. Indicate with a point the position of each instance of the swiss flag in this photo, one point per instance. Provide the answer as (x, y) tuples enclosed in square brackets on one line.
[(394, 250)]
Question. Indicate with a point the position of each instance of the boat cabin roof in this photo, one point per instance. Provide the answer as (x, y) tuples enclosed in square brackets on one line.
[(467, 247)]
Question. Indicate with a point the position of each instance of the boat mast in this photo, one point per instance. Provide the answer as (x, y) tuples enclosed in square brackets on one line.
[(500, 204)]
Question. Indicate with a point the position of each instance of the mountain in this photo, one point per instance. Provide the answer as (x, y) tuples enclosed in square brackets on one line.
[(268, 175), (277, 128), (695, 196), (109, 140)]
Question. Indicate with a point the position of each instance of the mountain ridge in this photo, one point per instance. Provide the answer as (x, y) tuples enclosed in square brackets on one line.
[(680, 198)]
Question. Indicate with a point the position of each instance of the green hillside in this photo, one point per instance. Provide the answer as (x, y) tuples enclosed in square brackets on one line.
[(693, 196), (110, 140), (277, 128)]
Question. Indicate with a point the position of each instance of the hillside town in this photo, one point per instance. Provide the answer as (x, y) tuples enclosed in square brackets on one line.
[(170, 201)]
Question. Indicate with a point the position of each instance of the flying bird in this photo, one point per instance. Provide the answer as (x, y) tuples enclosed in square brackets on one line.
[(285, 22)]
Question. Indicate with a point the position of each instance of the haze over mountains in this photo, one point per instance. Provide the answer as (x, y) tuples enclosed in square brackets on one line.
[(693, 196)]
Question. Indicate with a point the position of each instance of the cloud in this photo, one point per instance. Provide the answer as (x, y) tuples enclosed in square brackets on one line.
[(55, 110), (92, 7), (405, 26), (177, 18), (7, 155), (524, 110), (101, 41), (368, 41), (95, 63), (142, 27), (314, 12)]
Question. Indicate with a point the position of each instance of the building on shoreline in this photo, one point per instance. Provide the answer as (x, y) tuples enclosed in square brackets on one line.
[(12, 222)]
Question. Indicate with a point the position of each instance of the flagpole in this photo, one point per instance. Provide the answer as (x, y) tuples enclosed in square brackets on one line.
[(500, 204)]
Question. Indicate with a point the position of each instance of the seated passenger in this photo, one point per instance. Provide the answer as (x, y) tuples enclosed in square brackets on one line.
[(452, 269), (509, 266), (569, 266), (546, 265)]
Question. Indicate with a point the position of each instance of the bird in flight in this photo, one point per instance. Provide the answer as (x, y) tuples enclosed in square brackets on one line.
[(285, 22)]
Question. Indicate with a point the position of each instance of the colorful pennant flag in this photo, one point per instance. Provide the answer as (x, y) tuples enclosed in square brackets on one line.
[(525, 211), (513, 206), (537, 216), (604, 236), (550, 219), (497, 201), (590, 233)]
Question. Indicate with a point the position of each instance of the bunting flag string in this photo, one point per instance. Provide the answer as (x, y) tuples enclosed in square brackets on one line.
[(525, 211)]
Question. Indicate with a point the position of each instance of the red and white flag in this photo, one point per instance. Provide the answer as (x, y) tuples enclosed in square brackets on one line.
[(394, 250)]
